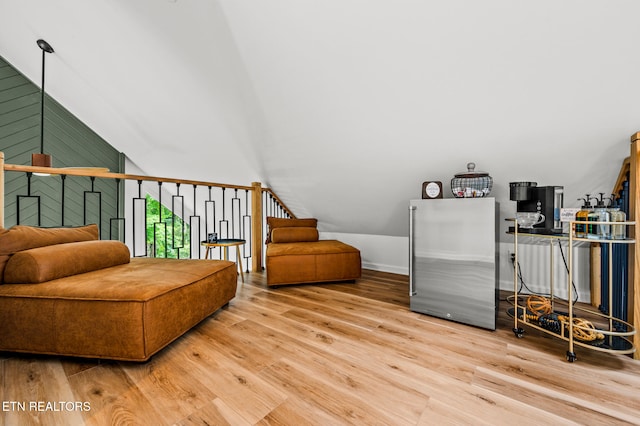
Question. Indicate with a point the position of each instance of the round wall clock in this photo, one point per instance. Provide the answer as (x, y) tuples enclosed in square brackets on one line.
[(432, 189)]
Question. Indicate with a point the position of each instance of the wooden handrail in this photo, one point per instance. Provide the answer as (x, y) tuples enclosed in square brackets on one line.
[(279, 201), (622, 176), (86, 171)]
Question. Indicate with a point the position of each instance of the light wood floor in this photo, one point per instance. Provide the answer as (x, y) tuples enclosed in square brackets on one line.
[(328, 355)]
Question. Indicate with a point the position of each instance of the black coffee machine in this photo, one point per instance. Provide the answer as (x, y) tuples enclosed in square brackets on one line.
[(547, 200)]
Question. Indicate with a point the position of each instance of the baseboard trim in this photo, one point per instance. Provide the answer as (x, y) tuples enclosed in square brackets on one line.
[(385, 268)]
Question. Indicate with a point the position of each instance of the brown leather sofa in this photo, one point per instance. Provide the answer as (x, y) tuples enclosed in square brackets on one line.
[(64, 292), (296, 255)]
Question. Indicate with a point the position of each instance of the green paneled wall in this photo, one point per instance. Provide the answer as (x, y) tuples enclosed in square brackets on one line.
[(69, 141)]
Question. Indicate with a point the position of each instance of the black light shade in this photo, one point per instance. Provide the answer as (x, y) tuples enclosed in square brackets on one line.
[(45, 46)]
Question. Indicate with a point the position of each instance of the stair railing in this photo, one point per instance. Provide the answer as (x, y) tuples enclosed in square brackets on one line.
[(188, 210)]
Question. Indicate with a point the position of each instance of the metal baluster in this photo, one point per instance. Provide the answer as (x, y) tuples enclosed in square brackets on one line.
[(194, 231), (117, 220), (224, 218), (63, 179), (209, 216), (246, 231), (173, 220), (139, 233), (236, 216), (20, 197), (159, 224), (85, 204)]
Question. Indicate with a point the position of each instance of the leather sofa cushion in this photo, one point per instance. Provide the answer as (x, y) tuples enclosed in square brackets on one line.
[(62, 260), (294, 234), (279, 222), (318, 248), (21, 237), (312, 262)]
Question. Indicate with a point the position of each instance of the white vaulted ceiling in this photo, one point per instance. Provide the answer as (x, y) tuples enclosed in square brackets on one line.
[(345, 107)]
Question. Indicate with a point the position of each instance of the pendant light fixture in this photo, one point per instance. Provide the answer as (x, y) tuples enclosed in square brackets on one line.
[(42, 159)]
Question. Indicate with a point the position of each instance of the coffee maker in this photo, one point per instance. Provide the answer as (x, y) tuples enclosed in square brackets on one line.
[(547, 200)]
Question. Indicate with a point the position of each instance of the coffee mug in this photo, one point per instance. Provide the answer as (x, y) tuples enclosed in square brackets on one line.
[(528, 219)]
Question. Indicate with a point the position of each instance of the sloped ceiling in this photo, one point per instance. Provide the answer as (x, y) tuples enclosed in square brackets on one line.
[(159, 80), (345, 107)]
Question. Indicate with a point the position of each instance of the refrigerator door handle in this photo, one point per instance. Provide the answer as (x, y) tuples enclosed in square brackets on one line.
[(411, 283)]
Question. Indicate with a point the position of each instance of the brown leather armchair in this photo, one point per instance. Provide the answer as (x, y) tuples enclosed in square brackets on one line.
[(296, 255)]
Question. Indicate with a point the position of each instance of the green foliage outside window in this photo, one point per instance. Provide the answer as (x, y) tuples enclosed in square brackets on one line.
[(164, 241)]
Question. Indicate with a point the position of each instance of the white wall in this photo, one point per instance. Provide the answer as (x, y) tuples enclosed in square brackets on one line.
[(344, 107), (368, 99), (378, 252)]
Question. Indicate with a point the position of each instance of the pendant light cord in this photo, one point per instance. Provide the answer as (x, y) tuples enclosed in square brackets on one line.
[(42, 107), (46, 48)]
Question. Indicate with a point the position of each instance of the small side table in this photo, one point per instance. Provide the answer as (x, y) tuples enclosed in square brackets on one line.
[(226, 243)]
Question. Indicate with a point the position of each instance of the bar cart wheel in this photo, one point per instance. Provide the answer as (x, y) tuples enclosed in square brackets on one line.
[(571, 356), (519, 332)]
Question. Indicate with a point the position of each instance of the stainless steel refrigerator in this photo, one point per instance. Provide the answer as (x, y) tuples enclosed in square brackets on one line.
[(453, 259)]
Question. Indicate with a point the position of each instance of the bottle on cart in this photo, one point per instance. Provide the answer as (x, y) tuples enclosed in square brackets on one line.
[(592, 229), (618, 232), (582, 216), (602, 214)]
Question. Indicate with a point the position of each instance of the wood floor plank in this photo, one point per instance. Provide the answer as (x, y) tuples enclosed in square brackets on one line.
[(403, 371), (169, 386), (323, 308), (567, 405), (250, 353), (39, 384), (341, 405), (500, 409), (334, 354), (520, 375), (73, 366), (442, 414), (239, 388), (215, 413), (404, 346), (386, 394), (228, 317), (357, 378), (114, 398), (295, 411), (365, 365)]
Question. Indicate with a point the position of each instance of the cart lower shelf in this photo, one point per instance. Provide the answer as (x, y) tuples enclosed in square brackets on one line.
[(611, 341)]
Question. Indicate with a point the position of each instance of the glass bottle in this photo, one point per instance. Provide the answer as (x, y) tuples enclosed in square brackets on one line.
[(618, 232), (602, 212), (592, 231), (582, 216)]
